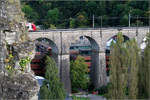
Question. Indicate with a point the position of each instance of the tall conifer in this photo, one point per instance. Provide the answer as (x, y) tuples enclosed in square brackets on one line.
[(118, 68), (52, 88), (145, 72), (133, 64)]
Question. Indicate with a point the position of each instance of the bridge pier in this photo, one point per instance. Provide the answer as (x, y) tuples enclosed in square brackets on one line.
[(102, 65), (64, 71), (98, 70)]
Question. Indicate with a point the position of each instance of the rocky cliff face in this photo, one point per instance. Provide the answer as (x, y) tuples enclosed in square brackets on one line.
[(16, 50), (18, 87)]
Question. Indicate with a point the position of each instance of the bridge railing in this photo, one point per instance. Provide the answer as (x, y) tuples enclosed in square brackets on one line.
[(103, 28)]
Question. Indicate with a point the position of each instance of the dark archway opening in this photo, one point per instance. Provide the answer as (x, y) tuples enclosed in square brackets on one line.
[(107, 51), (44, 47), (89, 50)]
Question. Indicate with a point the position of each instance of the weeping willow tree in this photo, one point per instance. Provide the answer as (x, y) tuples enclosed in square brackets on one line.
[(118, 69)]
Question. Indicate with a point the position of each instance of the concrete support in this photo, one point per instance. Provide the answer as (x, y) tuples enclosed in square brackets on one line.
[(98, 70), (102, 65), (64, 70)]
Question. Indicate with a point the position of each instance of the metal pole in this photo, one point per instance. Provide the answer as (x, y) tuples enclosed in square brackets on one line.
[(149, 60), (101, 22), (149, 16), (93, 21), (129, 19), (101, 28), (61, 56), (137, 26)]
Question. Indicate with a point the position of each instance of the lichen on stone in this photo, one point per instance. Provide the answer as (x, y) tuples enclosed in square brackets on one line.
[(14, 42), (18, 87)]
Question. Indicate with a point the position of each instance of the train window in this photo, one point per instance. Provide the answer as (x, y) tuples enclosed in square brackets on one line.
[(107, 51), (71, 47), (76, 47), (87, 60)]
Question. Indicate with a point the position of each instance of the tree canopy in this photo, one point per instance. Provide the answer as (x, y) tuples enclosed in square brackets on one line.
[(76, 14), (79, 74)]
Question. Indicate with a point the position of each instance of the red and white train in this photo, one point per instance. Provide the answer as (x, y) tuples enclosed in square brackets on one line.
[(31, 27)]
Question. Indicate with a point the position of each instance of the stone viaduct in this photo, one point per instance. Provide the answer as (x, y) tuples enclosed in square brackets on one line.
[(61, 40)]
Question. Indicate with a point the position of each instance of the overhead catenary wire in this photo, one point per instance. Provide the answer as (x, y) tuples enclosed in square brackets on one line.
[(68, 19), (98, 20)]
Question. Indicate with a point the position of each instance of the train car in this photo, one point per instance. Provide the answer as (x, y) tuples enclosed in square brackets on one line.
[(107, 61), (31, 27), (88, 62), (86, 54), (83, 51)]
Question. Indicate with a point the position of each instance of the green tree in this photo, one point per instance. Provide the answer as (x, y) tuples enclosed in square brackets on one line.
[(52, 16), (124, 20), (92, 5), (79, 74), (125, 63), (52, 88), (82, 19), (134, 62), (118, 69), (30, 14), (44, 10), (72, 23), (145, 72)]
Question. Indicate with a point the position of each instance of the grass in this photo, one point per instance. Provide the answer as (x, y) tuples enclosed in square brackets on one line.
[(80, 98)]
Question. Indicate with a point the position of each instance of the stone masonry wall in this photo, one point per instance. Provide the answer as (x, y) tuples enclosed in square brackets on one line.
[(15, 46)]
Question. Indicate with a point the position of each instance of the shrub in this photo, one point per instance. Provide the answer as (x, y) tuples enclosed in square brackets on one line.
[(103, 90), (79, 74)]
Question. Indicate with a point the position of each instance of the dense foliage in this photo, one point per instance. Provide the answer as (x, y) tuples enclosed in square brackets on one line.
[(52, 88), (129, 70), (133, 64), (144, 81), (79, 74), (118, 63), (74, 14)]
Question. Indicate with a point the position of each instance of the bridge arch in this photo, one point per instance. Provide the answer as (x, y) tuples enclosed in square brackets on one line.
[(107, 50), (94, 44), (96, 69), (64, 37), (53, 46), (44, 46), (113, 36)]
